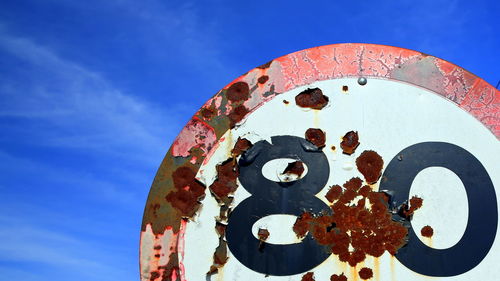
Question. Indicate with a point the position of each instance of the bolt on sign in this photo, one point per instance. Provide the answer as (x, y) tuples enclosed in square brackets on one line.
[(341, 162)]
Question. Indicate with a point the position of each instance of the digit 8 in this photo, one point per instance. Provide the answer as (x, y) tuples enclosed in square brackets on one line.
[(271, 198)]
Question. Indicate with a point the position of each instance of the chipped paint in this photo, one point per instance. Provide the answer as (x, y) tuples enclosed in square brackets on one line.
[(161, 250), (195, 134)]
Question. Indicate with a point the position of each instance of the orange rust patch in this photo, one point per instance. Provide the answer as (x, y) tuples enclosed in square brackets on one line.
[(294, 168), (311, 98), (301, 226), (308, 277), (238, 91), (415, 204), (345, 89), (316, 137), (365, 273), (340, 277), (333, 193), (353, 184), (350, 142), (225, 184), (189, 191), (370, 165), (354, 229), (240, 147), (427, 231)]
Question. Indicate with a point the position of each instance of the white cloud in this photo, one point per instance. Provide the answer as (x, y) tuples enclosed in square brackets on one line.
[(71, 106), (25, 242)]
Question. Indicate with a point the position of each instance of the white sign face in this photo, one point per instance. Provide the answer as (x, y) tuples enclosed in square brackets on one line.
[(401, 123)]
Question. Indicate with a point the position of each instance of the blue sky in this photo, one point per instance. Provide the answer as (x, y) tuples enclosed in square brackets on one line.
[(92, 94)]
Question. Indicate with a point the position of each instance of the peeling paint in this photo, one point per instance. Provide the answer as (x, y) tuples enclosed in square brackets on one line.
[(195, 134), (161, 250)]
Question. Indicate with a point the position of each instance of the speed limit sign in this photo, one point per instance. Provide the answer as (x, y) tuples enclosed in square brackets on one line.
[(341, 162)]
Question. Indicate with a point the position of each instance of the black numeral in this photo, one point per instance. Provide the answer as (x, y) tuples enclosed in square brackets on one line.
[(271, 198), (483, 215)]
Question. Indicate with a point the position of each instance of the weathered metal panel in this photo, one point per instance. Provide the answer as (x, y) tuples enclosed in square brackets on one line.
[(206, 152)]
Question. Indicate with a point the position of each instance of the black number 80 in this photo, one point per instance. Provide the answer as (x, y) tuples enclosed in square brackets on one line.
[(271, 198)]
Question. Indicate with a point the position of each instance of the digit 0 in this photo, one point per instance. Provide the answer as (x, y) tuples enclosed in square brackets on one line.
[(483, 215), (270, 198)]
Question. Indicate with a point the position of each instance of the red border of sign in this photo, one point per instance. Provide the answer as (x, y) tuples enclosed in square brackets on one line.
[(162, 241)]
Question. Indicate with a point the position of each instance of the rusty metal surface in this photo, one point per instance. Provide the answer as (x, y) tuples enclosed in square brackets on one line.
[(175, 194)]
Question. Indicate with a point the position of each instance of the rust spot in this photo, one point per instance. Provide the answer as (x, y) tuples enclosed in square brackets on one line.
[(352, 228), (350, 142), (333, 147), (370, 165), (311, 98), (416, 203), (189, 191), (333, 193), (225, 184), (340, 277), (345, 89), (240, 147), (263, 79), (427, 231), (353, 184), (236, 115), (157, 247), (263, 234), (365, 273), (286, 102), (301, 225), (294, 168), (316, 137), (308, 277), (406, 211), (239, 91), (365, 190)]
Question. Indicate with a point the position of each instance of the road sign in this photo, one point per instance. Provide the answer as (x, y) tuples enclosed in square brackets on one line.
[(341, 162)]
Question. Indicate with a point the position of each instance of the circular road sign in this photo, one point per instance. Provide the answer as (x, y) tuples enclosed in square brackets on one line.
[(341, 162)]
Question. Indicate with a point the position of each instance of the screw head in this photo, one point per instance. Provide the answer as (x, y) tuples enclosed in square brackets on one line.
[(362, 81)]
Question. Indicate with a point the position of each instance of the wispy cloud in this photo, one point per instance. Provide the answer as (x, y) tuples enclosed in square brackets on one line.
[(82, 110), (29, 243), (78, 152)]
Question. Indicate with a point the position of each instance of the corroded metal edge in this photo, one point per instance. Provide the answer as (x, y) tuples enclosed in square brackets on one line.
[(162, 241)]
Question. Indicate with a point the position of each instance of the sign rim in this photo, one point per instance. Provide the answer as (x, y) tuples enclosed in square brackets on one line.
[(163, 225)]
